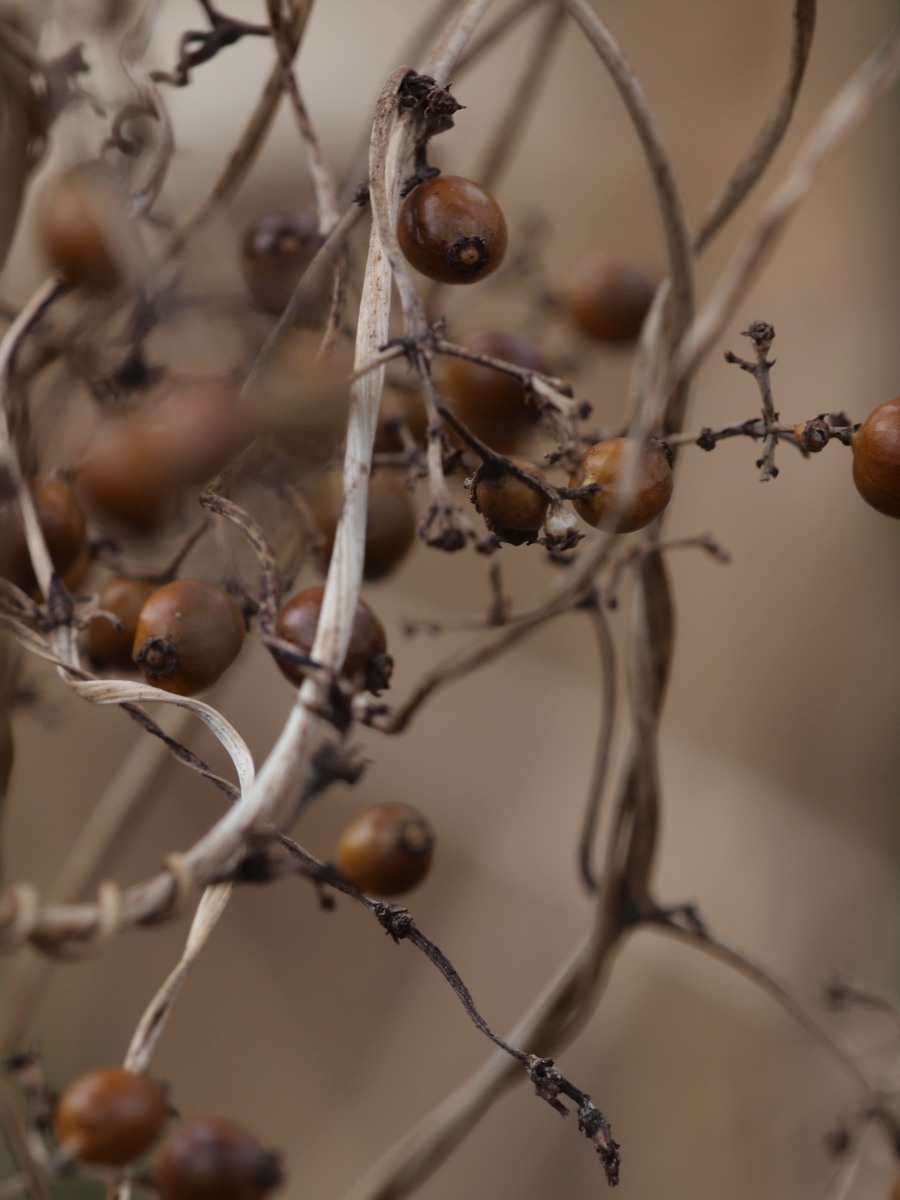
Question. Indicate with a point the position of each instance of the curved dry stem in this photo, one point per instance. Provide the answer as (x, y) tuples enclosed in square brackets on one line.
[(671, 210), (758, 157), (766, 981), (842, 116), (600, 772), (251, 141), (114, 813)]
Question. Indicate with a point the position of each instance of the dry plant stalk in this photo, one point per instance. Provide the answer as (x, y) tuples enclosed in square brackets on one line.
[(619, 841)]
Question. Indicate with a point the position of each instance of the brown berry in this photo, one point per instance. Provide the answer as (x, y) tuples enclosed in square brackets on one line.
[(610, 298), (367, 663), (876, 458), (83, 229), (213, 1158), (62, 522), (494, 405), (110, 1116), (390, 521), (511, 509), (452, 230), (124, 597), (275, 251), (188, 633), (611, 463), (386, 850)]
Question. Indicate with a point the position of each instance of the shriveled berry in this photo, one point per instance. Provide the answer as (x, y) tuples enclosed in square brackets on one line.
[(511, 509), (452, 230), (367, 663), (110, 1116), (386, 850), (876, 458), (610, 298), (188, 633), (124, 597), (213, 1158), (618, 464)]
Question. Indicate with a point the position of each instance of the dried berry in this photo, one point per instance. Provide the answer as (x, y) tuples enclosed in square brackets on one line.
[(110, 1116), (213, 1158), (124, 597), (452, 230), (390, 522), (62, 523), (386, 850), (617, 464), (876, 458), (366, 664), (511, 509), (188, 633), (496, 406), (610, 298)]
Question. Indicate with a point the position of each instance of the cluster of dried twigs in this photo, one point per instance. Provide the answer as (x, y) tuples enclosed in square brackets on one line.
[(620, 841)]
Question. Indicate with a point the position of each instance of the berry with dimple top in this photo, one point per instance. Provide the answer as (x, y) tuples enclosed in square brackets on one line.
[(188, 633), (876, 458), (386, 850), (452, 230), (110, 1116), (613, 465), (213, 1158), (275, 251), (610, 298)]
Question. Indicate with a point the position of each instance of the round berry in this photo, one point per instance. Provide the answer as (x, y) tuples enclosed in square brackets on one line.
[(124, 597), (390, 522), (495, 406), (511, 509), (212, 1158), (876, 458), (367, 663), (386, 850), (188, 633), (110, 1116), (607, 464), (82, 227), (275, 251), (126, 475), (62, 523), (610, 298), (452, 230)]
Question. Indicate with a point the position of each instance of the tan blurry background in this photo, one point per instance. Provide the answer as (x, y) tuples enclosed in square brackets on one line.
[(780, 762)]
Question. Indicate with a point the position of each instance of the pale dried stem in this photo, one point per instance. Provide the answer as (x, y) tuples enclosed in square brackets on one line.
[(114, 813), (842, 116)]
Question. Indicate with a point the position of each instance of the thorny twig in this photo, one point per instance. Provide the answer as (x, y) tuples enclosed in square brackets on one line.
[(398, 922)]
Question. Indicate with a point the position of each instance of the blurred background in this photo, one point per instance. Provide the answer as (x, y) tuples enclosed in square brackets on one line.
[(780, 764)]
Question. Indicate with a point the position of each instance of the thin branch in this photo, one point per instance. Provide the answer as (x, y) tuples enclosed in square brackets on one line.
[(700, 938), (842, 116), (600, 771), (770, 136)]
